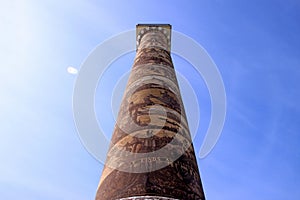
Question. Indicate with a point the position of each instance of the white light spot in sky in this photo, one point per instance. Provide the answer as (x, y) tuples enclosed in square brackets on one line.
[(72, 70)]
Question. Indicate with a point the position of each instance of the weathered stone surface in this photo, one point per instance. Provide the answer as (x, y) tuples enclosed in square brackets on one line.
[(151, 154)]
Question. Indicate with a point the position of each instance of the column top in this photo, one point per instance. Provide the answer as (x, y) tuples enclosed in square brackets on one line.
[(155, 25), (142, 29)]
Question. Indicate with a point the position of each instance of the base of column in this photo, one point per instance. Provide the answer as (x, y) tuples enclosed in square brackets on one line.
[(147, 198)]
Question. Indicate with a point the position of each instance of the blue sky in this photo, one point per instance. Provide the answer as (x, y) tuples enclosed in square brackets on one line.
[(255, 45)]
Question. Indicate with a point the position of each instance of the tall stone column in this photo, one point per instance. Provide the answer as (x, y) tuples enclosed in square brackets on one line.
[(151, 154)]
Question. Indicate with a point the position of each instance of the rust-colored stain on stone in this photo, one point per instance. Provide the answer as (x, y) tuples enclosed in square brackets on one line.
[(151, 118)]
